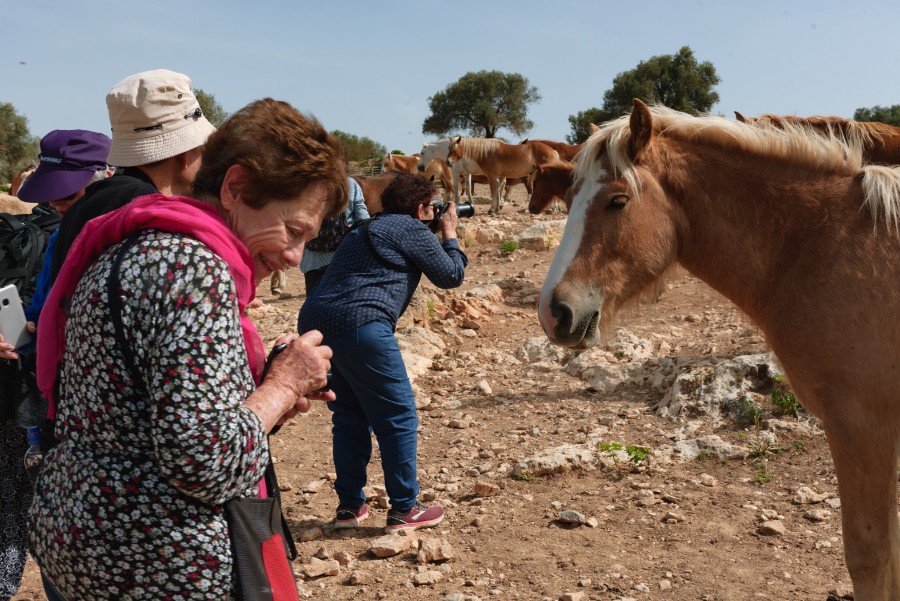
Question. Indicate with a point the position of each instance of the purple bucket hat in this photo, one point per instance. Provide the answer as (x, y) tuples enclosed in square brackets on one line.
[(69, 159)]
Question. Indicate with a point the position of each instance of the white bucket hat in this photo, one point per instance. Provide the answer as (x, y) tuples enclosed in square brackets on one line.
[(154, 115)]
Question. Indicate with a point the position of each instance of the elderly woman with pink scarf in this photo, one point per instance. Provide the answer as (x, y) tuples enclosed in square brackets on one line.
[(129, 504)]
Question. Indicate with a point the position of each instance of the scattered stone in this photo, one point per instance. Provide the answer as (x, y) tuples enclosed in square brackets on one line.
[(707, 480), (772, 528), (390, 545), (579, 596), (434, 550), (321, 567), (818, 515), (807, 496), (361, 577), (429, 577), (483, 388), (311, 534), (570, 516), (486, 489), (844, 591), (672, 518)]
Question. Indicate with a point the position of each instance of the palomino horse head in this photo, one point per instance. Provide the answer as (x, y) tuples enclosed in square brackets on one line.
[(454, 150), (619, 238)]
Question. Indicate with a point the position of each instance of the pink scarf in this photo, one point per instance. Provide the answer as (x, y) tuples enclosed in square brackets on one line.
[(175, 214)]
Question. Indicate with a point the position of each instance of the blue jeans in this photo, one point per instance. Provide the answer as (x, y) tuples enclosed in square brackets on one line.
[(374, 395)]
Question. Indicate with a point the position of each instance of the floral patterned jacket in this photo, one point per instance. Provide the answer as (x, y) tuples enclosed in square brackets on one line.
[(128, 505)]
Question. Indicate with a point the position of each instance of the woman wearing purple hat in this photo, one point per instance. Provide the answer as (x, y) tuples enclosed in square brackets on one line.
[(70, 161)]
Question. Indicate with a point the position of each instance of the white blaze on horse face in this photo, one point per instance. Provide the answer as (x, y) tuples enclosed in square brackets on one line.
[(568, 248)]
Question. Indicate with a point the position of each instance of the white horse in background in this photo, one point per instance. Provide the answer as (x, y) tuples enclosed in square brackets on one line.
[(439, 150)]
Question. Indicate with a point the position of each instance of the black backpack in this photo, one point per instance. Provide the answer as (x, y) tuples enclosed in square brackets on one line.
[(330, 235), (23, 240)]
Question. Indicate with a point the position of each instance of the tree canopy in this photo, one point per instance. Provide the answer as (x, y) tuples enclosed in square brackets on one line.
[(677, 81), (482, 103), (18, 148), (884, 114), (212, 110), (359, 148)]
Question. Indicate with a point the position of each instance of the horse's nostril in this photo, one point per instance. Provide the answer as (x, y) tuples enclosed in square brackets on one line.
[(563, 314)]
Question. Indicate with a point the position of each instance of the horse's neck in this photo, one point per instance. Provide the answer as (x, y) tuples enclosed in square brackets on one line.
[(740, 221)]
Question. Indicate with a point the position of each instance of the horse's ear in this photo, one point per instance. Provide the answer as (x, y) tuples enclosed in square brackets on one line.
[(525, 141), (456, 139), (740, 117), (641, 124), (594, 128)]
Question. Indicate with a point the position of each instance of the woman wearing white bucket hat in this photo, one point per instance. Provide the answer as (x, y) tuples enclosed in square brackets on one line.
[(158, 133)]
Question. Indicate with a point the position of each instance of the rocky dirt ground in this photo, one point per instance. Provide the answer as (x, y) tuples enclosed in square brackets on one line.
[(658, 467)]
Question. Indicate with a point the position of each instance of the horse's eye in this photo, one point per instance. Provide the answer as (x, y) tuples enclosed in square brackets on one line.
[(618, 201)]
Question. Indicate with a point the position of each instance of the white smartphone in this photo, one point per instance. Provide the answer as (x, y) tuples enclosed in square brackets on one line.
[(12, 317)]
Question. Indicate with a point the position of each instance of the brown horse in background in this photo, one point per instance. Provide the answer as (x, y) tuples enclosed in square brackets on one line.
[(399, 162), (810, 251), (567, 152), (879, 142), (373, 187), (496, 161), (550, 181), (438, 171)]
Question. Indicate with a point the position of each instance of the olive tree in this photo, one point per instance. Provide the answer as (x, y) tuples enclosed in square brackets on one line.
[(884, 114), (481, 104), (212, 110), (677, 81), (18, 148)]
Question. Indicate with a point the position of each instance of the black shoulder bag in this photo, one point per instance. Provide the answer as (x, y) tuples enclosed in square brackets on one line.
[(261, 542)]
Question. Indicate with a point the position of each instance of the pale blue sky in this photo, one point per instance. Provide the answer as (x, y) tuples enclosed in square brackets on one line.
[(368, 68)]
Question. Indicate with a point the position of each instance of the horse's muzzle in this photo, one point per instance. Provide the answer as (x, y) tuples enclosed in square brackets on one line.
[(573, 330)]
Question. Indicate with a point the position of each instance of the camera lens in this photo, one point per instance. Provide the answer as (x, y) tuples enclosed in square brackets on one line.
[(465, 209)]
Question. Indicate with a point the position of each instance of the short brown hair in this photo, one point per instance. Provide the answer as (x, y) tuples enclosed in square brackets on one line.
[(406, 193), (282, 150)]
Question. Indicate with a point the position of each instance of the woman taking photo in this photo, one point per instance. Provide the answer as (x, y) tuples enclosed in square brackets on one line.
[(129, 504), (365, 290)]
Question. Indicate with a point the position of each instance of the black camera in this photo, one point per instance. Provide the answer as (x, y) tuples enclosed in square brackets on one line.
[(463, 209)]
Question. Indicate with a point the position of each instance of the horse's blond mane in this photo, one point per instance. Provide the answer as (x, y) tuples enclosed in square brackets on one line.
[(797, 143), (857, 134), (881, 191), (477, 148)]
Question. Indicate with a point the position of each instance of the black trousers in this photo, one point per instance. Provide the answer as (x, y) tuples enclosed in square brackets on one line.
[(16, 492)]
